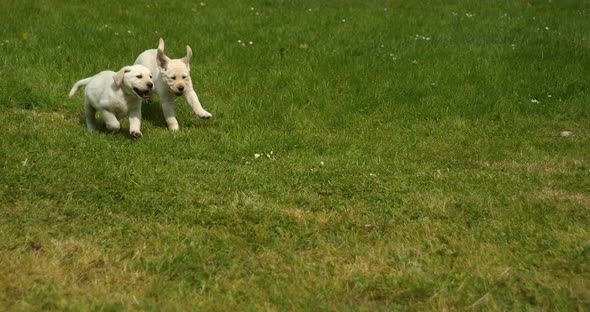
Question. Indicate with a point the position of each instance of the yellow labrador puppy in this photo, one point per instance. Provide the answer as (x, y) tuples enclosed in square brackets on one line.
[(172, 79), (116, 95)]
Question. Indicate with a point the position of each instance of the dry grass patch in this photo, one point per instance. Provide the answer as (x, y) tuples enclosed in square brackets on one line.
[(552, 167), (582, 199), (77, 269)]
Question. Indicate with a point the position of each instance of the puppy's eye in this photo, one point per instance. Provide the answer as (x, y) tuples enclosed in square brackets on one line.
[(150, 76), (173, 77), (184, 77), (139, 76)]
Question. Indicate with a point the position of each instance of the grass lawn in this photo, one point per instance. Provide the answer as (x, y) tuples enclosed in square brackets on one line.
[(363, 155)]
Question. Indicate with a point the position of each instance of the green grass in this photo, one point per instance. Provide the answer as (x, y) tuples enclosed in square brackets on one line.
[(416, 162)]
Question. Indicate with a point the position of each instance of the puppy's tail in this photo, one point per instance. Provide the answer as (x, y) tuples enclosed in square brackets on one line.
[(78, 84), (161, 45)]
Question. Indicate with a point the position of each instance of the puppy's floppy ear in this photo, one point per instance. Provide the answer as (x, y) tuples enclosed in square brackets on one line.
[(162, 60), (189, 54), (161, 45), (118, 77)]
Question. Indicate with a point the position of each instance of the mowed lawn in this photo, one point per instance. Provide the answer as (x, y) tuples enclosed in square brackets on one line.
[(362, 155)]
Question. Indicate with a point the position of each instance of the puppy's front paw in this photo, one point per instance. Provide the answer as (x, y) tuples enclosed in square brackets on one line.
[(172, 124), (205, 115), (136, 134)]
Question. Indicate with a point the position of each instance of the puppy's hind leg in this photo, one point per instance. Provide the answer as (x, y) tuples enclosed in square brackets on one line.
[(168, 110), (90, 113), (111, 120)]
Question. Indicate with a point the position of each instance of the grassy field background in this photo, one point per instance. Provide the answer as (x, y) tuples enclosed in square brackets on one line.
[(410, 158)]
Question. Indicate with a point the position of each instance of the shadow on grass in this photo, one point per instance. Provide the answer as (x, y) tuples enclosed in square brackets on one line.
[(152, 111), (101, 128)]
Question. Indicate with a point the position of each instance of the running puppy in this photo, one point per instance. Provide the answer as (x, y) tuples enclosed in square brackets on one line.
[(116, 95), (172, 79)]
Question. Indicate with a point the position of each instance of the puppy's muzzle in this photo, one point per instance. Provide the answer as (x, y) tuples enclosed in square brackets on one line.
[(180, 91), (144, 94)]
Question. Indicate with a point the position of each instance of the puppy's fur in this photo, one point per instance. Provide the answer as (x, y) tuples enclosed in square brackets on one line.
[(116, 95), (172, 79)]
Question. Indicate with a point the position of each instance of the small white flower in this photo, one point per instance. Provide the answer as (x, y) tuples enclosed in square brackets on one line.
[(343, 21), (239, 41), (250, 42), (251, 9), (256, 156), (549, 95), (257, 13), (546, 28), (534, 101), (309, 10), (202, 4), (321, 163), (414, 62), (372, 175), (129, 31), (565, 133)]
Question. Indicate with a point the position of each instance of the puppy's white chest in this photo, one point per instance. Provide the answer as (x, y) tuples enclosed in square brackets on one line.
[(119, 108)]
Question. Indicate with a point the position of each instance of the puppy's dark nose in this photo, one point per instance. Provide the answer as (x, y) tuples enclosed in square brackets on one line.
[(150, 85), (181, 88)]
